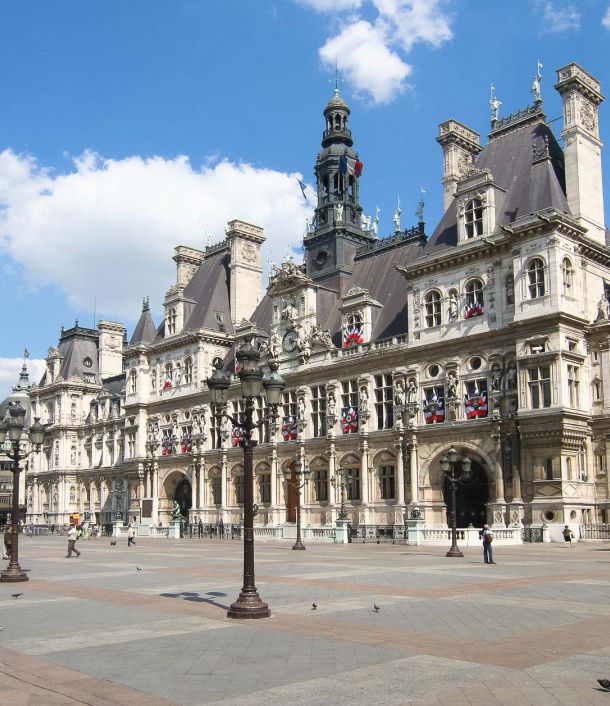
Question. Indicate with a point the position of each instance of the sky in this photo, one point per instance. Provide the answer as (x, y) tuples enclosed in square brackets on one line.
[(130, 127)]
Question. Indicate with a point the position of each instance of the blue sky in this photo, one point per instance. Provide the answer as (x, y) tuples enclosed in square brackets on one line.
[(127, 128)]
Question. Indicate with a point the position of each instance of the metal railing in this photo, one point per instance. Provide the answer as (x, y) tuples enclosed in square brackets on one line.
[(596, 531), (378, 534)]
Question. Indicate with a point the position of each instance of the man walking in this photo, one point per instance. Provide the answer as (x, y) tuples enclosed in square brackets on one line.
[(72, 537), (131, 534), (487, 536)]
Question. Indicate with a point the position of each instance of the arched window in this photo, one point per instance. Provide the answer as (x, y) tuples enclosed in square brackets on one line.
[(188, 371), (216, 485), (474, 299), (169, 376), (567, 275), (536, 279), (133, 382), (239, 489), (569, 468), (264, 487), (433, 309), (386, 482), (171, 321), (473, 218), (321, 485)]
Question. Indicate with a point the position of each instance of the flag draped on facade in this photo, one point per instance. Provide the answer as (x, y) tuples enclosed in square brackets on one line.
[(289, 428), (349, 420), (476, 405), (434, 409), (237, 436)]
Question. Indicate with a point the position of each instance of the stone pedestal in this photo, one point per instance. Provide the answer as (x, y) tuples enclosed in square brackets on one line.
[(116, 528), (496, 515), (414, 525), (342, 532), (515, 513), (174, 529)]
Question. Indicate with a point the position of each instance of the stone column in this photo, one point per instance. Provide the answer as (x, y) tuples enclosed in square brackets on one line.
[(400, 471), (332, 470), (364, 477), (154, 493), (201, 501), (414, 471), (194, 485)]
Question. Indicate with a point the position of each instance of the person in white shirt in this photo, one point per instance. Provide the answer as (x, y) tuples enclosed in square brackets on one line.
[(72, 537), (487, 536)]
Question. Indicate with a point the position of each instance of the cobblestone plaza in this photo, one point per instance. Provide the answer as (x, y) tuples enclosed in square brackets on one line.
[(96, 630)]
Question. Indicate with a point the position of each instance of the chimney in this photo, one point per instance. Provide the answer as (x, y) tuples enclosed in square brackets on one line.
[(461, 145), (245, 241)]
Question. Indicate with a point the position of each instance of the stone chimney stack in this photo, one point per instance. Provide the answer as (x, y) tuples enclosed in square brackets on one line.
[(110, 352), (245, 241), (582, 148), (461, 145)]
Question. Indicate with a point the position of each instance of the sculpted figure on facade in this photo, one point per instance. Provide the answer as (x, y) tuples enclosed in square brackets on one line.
[(603, 309), (399, 393), (452, 385), (303, 340), (453, 306), (339, 213), (411, 391), (331, 405), (496, 379), (364, 399), (322, 337), (289, 310)]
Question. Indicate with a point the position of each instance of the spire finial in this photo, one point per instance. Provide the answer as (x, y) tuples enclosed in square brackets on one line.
[(494, 104), (396, 218), (420, 207), (146, 303), (536, 88), (338, 79)]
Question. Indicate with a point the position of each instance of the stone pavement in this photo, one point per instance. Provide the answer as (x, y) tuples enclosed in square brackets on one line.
[(534, 629)]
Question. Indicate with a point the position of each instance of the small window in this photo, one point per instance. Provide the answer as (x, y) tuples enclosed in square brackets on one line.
[(171, 321), (548, 469), (572, 345), (567, 273), (433, 309), (133, 382), (473, 218), (536, 279), (188, 371), (539, 381)]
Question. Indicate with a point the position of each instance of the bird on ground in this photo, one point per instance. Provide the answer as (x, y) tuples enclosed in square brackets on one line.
[(16, 595), (314, 606), (138, 568), (113, 544), (604, 683), (376, 607)]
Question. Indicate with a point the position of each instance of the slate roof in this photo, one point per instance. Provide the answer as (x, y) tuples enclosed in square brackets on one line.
[(531, 184), (145, 330)]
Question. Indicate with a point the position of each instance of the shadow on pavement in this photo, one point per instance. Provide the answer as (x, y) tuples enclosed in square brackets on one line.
[(197, 598)]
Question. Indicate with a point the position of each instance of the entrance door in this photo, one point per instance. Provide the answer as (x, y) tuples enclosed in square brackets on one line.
[(291, 501), (184, 496), (471, 498)]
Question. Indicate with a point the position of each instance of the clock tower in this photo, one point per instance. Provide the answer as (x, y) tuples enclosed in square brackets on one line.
[(337, 228)]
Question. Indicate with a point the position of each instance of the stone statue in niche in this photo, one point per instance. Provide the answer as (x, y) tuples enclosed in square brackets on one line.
[(452, 384), (453, 306), (399, 393)]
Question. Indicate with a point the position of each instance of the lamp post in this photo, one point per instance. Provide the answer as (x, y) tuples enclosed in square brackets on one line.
[(11, 429), (343, 478), (300, 471), (449, 468), (152, 444), (249, 603)]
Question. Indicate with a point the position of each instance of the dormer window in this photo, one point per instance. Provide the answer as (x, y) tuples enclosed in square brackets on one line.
[(171, 322), (353, 330), (473, 218), (536, 279)]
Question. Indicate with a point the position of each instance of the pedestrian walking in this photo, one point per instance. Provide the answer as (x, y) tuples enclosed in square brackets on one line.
[(72, 537), (8, 543), (568, 536), (487, 536), (131, 534)]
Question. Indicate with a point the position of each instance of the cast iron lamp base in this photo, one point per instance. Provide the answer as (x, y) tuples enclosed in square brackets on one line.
[(249, 605), (454, 551), (14, 574)]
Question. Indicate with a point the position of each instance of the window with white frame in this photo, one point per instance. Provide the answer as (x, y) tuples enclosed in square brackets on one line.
[(582, 463), (169, 373), (215, 431), (289, 406), (133, 382), (386, 482), (539, 383), (263, 426), (567, 276), (188, 371), (353, 485), (131, 445), (474, 299), (349, 393), (574, 386), (384, 400), (318, 409), (171, 321), (473, 218), (536, 281), (432, 304)]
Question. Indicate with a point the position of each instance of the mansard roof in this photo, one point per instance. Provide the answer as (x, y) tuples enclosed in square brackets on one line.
[(526, 161), (75, 345)]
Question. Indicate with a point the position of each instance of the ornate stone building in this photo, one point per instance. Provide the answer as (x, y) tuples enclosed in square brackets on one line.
[(489, 334)]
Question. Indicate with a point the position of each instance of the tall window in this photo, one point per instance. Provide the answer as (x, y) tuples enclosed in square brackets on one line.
[(239, 489), (476, 403), (535, 278), (263, 429), (574, 386), (539, 381), (384, 401), (320, 485), (473, 218), (131, 445), (169, 373), (171, 321), (133, 382), (290, 403), (509, 288), (548, 469), (215, 432), (349, 393), (353, 487), (433, 309), (567, 275), (474, 298), (264, 484), (188, 371), (318, 409), (216, 485), (386, 482), (582, 463)]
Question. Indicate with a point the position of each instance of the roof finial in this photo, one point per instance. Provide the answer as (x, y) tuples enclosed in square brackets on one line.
[(396, 218), (338, 80), (376, 222), (494, 104), (146, 303), (536, 85), (420, 207)]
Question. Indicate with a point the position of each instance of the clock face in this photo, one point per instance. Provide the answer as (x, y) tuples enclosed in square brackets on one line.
[(289, 342)]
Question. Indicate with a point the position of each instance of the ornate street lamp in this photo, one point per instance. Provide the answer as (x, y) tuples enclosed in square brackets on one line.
[(449, 465), (249, 603), (11, 430), (300, 471), (343, 479)]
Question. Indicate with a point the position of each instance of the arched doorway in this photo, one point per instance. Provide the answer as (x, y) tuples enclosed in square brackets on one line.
[(184, 496), (471, 497)]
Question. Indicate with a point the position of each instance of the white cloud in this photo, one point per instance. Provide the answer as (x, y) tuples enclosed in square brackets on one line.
[(10, 369), (560, 19), (606, 19), (107, 229), (331, 5), (373, 54), (367, 61)]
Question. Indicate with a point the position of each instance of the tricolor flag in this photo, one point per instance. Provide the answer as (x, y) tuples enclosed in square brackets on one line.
[(186, 443), (289, 428), (303, 187), (473, 309), (434, 409), (167, 385), (351, 165), (237, 436), (349, 420), (166, 446), (476, 405)]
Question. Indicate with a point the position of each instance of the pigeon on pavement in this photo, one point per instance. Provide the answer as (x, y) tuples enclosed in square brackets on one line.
[(604, 683), (376, 607), (314, 606)]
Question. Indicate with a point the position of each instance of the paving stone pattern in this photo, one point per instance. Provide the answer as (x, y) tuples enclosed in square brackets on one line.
[(534, 629)]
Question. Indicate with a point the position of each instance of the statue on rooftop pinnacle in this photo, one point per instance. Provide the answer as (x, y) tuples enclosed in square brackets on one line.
[(536, 85), (494, 104)]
